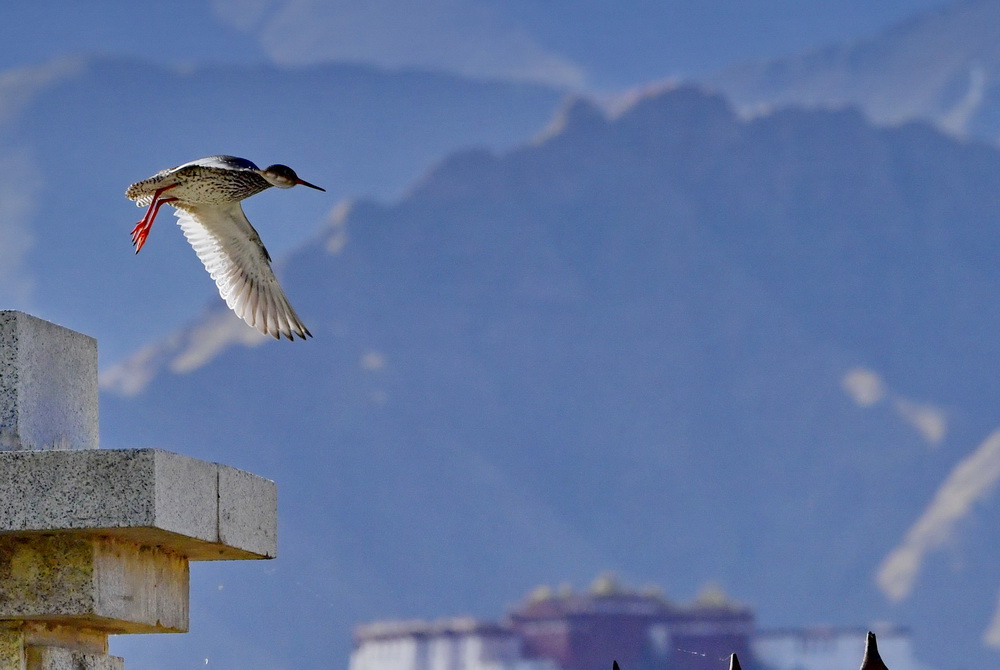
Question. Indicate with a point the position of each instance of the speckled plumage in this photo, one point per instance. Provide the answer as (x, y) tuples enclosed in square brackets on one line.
[(207, 194), (215, 180)]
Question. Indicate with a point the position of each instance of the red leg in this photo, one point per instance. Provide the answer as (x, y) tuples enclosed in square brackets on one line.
[(141, 230)]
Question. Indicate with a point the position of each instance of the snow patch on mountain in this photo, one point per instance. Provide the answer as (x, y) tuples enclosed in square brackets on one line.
[(973, 479), (867, 388)]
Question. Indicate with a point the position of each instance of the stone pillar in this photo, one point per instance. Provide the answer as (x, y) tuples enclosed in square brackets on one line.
[(48, 385), (95, 542)]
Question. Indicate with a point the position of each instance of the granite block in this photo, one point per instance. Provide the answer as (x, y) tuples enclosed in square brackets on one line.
[(248, 512), (146, 495), (77, 489), (186, 494), (48, 385)]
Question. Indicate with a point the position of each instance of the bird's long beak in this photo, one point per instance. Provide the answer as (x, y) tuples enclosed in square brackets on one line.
[(305, 183)]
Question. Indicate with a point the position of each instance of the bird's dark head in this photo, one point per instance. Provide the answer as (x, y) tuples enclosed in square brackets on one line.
[(283, 176)]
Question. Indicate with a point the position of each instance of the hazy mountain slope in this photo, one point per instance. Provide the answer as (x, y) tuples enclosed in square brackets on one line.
[(75, 134), (675, 344), (942, 66)]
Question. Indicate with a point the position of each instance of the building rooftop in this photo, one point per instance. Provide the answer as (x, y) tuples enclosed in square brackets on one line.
[(607, 596), (387, 630)]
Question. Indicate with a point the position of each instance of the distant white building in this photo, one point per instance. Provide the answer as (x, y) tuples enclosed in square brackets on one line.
[(827, 648), (642, 631), (446, 644)]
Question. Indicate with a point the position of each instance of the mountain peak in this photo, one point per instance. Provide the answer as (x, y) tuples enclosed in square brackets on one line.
[(676, 102), (579, 113)]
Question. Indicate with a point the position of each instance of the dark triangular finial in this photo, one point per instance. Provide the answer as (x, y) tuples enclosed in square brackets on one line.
[(872, 661), (734, 663), (614, 666)]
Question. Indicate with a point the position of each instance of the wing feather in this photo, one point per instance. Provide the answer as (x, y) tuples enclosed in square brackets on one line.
[(234, 256)]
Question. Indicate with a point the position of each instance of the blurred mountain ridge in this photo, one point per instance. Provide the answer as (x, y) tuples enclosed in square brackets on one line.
[(748, 350)]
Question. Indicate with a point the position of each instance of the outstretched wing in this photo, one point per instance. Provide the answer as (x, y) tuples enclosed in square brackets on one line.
[(232, 252)]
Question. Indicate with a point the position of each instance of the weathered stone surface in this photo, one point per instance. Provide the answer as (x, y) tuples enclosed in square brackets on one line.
[(248, 512), (57, 658), (48, 385), (142, 584), (198, 509), (47, 634), (97, 583), (187, 495), (11, 649)]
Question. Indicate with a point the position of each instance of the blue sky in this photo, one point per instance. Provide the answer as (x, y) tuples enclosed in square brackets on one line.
[(587, 43)]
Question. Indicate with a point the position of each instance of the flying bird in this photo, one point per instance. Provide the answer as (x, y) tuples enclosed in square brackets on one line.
[(206, 194)]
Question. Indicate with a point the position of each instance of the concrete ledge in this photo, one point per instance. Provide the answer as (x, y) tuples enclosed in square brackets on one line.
[(48, 385), (101, 584), (200, 510)]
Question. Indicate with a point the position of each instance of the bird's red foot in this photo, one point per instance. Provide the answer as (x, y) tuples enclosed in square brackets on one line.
[(139, 234), (141, 230)]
